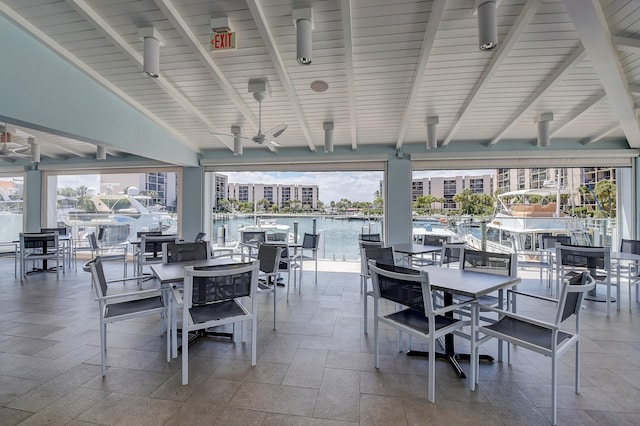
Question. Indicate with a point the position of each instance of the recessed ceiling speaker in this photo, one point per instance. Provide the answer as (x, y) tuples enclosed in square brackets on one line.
[(303, 21), (432, 136), (152, 42), (328, 136), (487, 26)]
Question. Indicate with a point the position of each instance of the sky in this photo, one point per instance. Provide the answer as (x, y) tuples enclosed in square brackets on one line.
[(333, 186)]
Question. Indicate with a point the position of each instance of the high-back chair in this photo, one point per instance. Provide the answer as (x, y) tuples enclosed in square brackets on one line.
[(370, 237), (124, 306), (550, 241), (597, 260), (417, 316), (364, 267), (451, 254), (108, 253), (310, 244), (214, 296), (249, 242), (185, 252), (269, 261), (200, 237), (549, 336), (39, 247), (63, 240), (150, 251), (631, 268), (378, 254)]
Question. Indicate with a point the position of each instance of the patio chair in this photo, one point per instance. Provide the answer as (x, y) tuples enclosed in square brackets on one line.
[(124, 306), (249, 241), (369, 237), (548, 337), (185, 252), (572, 260), (269, 260), (213, 297), (631, 269), (417, 316), (364, 267), (107, 253), (39, 247), (200, 237), (310, 244), (378, 254), (451, 254), (150, 250)]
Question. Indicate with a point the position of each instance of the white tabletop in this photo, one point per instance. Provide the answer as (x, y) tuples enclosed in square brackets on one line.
[(469, 283)]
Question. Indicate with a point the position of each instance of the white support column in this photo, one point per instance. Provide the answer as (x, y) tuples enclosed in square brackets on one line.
[(397, 201), (32, 200), (626, 205), (192, 202)]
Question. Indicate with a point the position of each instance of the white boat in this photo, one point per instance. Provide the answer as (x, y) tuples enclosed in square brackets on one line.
[(273, 230), (124, 214), (522, 217), (434, 227)]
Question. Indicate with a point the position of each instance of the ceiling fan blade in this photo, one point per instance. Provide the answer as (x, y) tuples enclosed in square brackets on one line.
[(277, 131), (272, 143)]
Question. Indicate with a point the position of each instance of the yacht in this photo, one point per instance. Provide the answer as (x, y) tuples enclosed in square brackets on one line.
[(124, 214), (273, 231), (522, 217)]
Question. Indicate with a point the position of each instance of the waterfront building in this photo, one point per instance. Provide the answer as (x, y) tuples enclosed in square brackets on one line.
[(448, 187), (219, 188), (277, 194), (161, 187)]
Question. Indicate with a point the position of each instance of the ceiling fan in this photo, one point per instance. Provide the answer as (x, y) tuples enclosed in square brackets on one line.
[(266, 138), (7, 152)]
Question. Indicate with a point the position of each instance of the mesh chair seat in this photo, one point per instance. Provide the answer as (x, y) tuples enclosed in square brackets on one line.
[(416, 319), (527, 332), (124, 308), (215, 311)]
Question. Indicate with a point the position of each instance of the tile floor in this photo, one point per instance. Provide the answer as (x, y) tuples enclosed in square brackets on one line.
[(316, 369)]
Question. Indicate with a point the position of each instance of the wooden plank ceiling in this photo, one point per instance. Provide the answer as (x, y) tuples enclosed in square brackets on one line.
[(388, 65)]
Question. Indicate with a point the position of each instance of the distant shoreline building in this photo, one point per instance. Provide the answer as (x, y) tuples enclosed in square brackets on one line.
[(277, 194)]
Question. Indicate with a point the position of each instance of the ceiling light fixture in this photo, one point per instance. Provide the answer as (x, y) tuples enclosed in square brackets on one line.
[(152, 42), (101, 152), (35, 150), (543, 129), (328, 136), (237, 140), (432, 127), (487, 26), (303, 21)]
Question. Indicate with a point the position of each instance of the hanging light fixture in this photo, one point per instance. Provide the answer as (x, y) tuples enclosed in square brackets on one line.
[(237, 140), (543, 121), (152, 42), (487, 26), (35, 150), (303, 21), (432, 127), (328, 136), (101, 152)]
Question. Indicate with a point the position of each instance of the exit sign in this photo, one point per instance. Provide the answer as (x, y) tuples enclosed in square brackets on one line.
[(223, 41)]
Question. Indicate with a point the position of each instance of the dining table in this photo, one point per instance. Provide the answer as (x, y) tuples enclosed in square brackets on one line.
[(472, 284)]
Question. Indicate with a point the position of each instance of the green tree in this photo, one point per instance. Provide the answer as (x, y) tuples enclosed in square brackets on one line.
[(378, 203), (605, 190), (423, 203), (472, 203)]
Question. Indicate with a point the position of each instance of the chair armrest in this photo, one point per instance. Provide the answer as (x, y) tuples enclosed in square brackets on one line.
[(535, 296), (519, 317), (132, 295), (453, 307), (138, 277), (177, 296)]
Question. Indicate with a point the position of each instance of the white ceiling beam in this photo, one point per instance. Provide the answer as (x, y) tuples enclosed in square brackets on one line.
[(626, 43), (347, 25), (257, 12), (437, 8), (591, 26), (582, 109), (92, 16), (170, 11), (73, 60), (575, 58), (599, 136), (504, 48)]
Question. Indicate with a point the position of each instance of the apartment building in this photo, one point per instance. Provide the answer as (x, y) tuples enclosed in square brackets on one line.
[(448, 187), (278, 194)]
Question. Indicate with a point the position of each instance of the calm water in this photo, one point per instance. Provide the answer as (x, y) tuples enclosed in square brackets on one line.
[(339, 237)]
